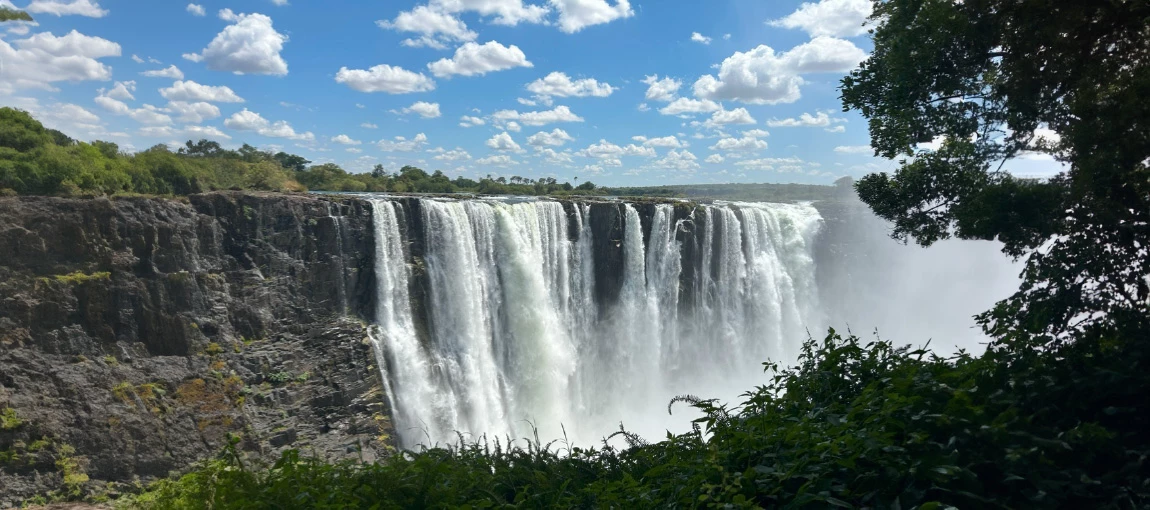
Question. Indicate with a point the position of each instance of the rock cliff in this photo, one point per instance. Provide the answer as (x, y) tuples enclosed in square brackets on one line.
[(139, 335)]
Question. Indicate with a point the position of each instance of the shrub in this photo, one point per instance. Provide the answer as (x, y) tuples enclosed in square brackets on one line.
[(9, 420), (854, 425)]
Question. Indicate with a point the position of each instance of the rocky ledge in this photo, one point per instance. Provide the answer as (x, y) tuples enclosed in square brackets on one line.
[(140, 335)]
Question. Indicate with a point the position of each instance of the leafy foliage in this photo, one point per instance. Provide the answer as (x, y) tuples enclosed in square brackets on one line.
[(854, 425), (35, 160), (10, 14), (994, 80), (39, 161)]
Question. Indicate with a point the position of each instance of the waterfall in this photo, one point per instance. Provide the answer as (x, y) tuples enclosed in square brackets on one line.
[(405, 366), (664, 268), (516, 339), (341, 264)]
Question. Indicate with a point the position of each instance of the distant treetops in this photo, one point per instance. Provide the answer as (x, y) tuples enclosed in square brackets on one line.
[(35, 160)]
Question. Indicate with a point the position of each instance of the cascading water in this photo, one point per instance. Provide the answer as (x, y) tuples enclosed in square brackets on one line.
[(516, 337), (341, 284)]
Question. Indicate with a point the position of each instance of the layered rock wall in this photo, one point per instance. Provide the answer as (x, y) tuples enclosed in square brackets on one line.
[(137, 335)]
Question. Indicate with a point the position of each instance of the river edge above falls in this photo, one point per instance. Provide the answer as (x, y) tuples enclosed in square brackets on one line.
[(138, 334)]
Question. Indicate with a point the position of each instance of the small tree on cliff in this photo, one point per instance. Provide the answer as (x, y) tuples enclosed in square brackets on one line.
[(994, 80)]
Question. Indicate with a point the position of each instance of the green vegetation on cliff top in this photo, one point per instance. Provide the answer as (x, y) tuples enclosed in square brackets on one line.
[(35, 160)]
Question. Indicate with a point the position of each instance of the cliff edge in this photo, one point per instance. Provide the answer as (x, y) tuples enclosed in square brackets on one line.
[(139, 335)]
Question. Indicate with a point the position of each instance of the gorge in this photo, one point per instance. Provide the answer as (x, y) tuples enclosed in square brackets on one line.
[(143, 334)]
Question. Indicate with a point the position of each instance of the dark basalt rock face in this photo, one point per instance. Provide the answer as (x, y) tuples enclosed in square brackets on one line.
[(608, 231), (138, 334)]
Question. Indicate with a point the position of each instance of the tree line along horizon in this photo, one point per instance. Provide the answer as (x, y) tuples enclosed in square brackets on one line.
[(36, 160)]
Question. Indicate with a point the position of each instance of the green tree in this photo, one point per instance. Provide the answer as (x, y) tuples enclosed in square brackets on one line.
[(993, 80), (253, 155), (10, 14), (378, 171), (323, 177), (202, 148), (18, 130), (413, 173), (109, 149), (291, 161)]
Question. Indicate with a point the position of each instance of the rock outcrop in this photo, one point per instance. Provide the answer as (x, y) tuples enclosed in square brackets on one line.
[(140, 335)]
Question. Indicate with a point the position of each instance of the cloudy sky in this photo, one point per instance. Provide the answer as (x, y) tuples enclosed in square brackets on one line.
[(621, 92)]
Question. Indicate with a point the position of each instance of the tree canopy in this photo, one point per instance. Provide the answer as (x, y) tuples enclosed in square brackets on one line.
[(35, 160), (991, 81), (10, 14)]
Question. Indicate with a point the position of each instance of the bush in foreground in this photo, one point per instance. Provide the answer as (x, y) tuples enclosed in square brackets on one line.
[(855, 425)]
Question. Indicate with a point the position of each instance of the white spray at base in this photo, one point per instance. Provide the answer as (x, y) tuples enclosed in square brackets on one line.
[(516, 340)]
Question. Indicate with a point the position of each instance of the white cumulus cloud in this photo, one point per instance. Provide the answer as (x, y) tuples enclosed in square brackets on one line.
[(43, 59), (473, 59), (558, 84), (503, 142), (501, 160), (196, 10), (87, 8), (385, 78), (556, 138), (435, 27), (854, 149), (715, 158), (608, 150), (250, 45), (575, 15), (501, 12), (456, 154), (745, 143), (736, 116), (192, 91), (402, 144), (768, 164), (700, 38), (194, 112), (171, 72), (147, 115), (685, 105), (762, 76), (468, 121), (665, 141), (820, 119), (423, 109), (122, 90), (662, 90), (554, 157), (539, 118), (345, 140), (205, 132), (834, 18), (683, 161), (248, 120)]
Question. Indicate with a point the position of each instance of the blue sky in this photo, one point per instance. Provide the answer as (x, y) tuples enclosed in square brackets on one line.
[(618, 92)]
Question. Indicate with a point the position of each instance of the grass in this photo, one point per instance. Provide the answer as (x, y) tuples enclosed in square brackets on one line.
[(78, 278), (9, 420)]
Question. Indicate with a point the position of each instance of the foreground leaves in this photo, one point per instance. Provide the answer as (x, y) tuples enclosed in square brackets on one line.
[(855, 425)]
